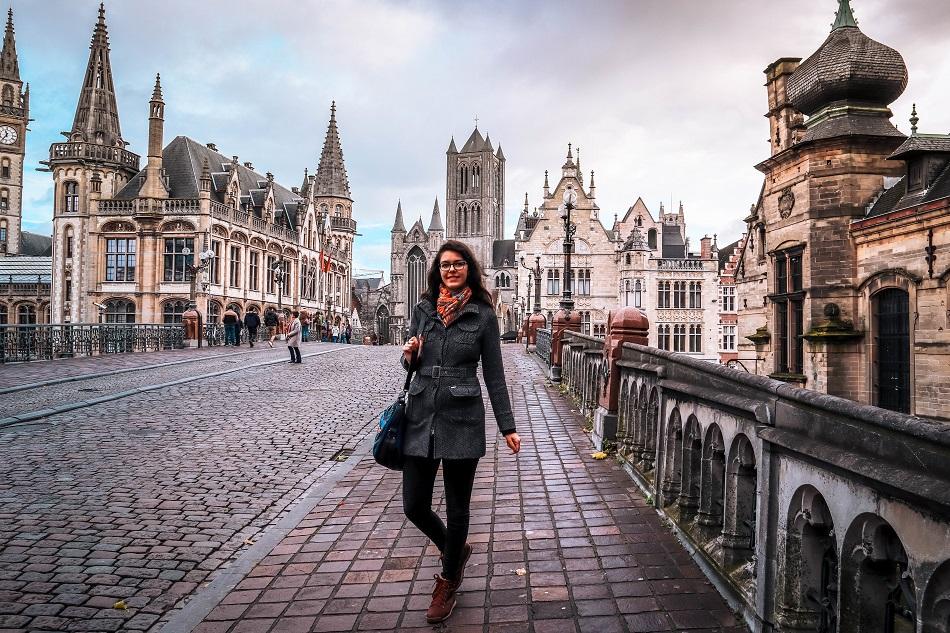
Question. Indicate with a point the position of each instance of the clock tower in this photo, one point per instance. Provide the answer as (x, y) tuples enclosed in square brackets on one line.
[(14, 114)]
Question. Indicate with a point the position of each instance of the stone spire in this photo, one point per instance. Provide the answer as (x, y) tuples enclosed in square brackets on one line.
[(331, 174), (526, 203), (9, 65), (452, 149), (205, 182), (914, 120), (154, 185), (399, 226), (547, 187), (305, 185), (97, 116), (435, 224), (845, 16), (593, 187)]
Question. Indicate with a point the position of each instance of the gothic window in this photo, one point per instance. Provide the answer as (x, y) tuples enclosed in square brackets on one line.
[(651, 239), (892, 349), (254, 258), (639, 220), (638, 293), (585, 322), (476, 177), (695, 338), (789, 314), (269, 274), (554, 281), (68, 243), (463, 180), (26, 314), (581, 282), (695, 294), (728, 298), (214, 312), (234, 267), (475, 222), (628, 259), (416, 275), (120, 259), (664, 298), (497, 191), (176, 261), (70, 196), (338, 210), (215, 262), (459, 218), (120, 311), (5, 168), (679, 294), (8, 95), (4, 199), (502, 280), (663, 336), (679, 337)]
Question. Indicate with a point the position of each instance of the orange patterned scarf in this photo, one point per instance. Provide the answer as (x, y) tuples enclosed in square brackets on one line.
[(450, 304)]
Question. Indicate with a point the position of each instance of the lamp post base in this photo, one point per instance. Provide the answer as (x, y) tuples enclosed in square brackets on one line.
[(605, 428)]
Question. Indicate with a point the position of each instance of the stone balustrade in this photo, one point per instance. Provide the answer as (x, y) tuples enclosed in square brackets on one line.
[(94, 152), (807, 511)]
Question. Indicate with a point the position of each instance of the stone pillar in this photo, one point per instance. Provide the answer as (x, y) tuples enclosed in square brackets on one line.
[(564, 320), (535, 322), (624, 325), (190, 320)]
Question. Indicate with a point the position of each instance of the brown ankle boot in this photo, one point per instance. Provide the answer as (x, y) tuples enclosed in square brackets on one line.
[(443, 600), (466, 554)]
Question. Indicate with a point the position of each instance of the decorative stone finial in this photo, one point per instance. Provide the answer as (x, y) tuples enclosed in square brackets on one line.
[(914, 119), (845, 16)]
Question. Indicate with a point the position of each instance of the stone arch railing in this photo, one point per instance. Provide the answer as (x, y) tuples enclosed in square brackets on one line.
[(808, 512)]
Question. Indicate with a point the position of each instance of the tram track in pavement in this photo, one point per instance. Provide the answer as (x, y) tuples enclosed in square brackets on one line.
[(30, 416)]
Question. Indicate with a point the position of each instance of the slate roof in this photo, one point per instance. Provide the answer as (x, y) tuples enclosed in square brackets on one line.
[(503, 250), (673, 244), (435, 223), (367, 283), (475, 143), (726, 252), (182, 160), (33, 244), (922, 143), (897, 198), (26, 270)]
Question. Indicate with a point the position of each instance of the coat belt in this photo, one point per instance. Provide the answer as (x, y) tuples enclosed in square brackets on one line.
[(437, 371)]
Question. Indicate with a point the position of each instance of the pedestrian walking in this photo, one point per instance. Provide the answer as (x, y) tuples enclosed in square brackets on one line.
[(336, 333), (252, 322), (305, 326), (348, 333), (293, 337), (270, 323), (230, 326), (451, 329)]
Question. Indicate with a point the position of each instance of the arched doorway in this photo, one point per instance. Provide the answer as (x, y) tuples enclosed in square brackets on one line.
[(892, 349), (382, 325)]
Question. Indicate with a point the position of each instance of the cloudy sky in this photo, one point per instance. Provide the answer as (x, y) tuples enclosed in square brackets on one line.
[(665, 98)]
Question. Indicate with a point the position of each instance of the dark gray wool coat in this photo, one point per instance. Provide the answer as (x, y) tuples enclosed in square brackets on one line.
[(445, 408)]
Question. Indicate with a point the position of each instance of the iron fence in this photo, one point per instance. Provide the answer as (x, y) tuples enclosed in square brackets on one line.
[(542, 345), (22, 343)]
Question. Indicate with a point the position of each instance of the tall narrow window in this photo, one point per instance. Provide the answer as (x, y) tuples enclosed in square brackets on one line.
[(695, 294), (892, 349), (695, 338), (5, 168), (585, 322), (728, 298), (269, 274), (3, 232), (253, 273), (679, 337), (416, 274), (554, 281), (70, 196), (728, 343), (288, 276), (4, 199), (120, 259), (234, 267), (216, 262), (638, 293), (663, 295), (789, 301), (69, 245), (679, 294), (583, 282), (176, 261), (663, 336)]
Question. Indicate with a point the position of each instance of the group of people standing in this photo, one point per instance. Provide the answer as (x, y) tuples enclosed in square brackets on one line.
[(296, 327)]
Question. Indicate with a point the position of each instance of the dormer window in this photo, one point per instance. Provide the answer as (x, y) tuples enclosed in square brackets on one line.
[(915, 175)]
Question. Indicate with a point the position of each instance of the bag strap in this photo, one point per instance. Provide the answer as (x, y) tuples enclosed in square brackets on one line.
[(412, 370)]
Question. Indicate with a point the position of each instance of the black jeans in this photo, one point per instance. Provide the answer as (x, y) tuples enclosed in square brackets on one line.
[(458, 477), (294, 354)]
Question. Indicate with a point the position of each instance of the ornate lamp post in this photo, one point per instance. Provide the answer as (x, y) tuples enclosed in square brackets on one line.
[(566, 318), (536, 320), (191, 317), (279, 272)]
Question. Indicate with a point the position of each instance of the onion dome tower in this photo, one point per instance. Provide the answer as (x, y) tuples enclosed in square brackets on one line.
[(846, 86)]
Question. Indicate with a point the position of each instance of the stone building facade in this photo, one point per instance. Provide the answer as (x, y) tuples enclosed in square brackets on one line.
[(475, 215), (640, 261), (125, 240), (838, 290)]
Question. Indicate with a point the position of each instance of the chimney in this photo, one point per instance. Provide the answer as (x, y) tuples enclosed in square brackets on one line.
[(248, 164), (211, 146), (786, 124), (705, 248)]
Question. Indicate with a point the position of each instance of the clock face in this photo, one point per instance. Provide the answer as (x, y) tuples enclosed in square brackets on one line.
[(8, 135)]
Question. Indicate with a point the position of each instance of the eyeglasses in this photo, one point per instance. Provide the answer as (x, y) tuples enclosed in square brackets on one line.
[(459, 265)]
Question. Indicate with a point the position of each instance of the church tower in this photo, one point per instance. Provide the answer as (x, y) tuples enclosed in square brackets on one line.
[(14, 114), (475, 195), (92, 164)]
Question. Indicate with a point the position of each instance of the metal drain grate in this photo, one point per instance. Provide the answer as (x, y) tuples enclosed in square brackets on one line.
[(341, 455)]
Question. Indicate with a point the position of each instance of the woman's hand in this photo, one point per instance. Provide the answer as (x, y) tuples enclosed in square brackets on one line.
[(513, 442), (413, 345)]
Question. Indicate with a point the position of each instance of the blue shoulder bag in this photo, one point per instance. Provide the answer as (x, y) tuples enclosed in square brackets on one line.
[(387, 448)]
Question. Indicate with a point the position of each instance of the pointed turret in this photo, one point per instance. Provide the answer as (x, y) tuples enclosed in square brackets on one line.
[(97, 115), (154, 185), (205, 183), (500, 155), (305, 185), (9, 65), (435, 224), (593, 187), (331, 173), (580, 174), (399, 226), (474, 142), (845, 16), (452, 149), (526, 203), (487, 146), (547, 187)]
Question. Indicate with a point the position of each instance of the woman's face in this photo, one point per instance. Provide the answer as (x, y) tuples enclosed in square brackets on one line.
[(454, 270)]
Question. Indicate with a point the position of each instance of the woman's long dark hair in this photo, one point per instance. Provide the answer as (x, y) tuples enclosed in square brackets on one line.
[(475, 275)]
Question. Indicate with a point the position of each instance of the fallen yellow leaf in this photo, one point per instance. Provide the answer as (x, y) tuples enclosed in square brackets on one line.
[(248, 541), (521, 571), (599, 455), (120, 605)]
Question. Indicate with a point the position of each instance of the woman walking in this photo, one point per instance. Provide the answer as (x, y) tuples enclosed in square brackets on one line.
[(451, 329), (293, 337)]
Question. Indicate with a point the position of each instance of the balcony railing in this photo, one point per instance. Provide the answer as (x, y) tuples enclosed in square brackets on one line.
[(245, 219), (339, 223), (94, 151), (21, 343), (682, 264), (173, 206)]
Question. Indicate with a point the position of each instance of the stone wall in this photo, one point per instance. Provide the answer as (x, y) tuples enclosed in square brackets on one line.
[(809, 512)]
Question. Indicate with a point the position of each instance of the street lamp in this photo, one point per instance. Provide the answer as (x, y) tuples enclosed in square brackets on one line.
[(570, 200), (205, 258), (278, 272), (534, 321)]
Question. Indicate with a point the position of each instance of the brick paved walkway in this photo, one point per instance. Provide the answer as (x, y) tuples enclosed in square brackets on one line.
[(562, 543)]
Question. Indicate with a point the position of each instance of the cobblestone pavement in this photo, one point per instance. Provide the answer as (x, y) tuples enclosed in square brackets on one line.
[(143, 498), (562, 543), (217, 359)]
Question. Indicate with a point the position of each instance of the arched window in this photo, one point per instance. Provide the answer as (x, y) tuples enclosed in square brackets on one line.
[(461, 179), (5, 168), (120, 311), (382, 325), (638, 294), (26, 314), (892, 349), (476, 177), (416, 275), (459, 218), (8, 95), (651, 239), (475, 222), (4, 317), (172, 311), (214, 312), (4, 198), (70, 196)]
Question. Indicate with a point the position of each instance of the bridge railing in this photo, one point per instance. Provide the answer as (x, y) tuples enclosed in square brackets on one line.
[(21, 343), (542, 345), (807, 511)]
